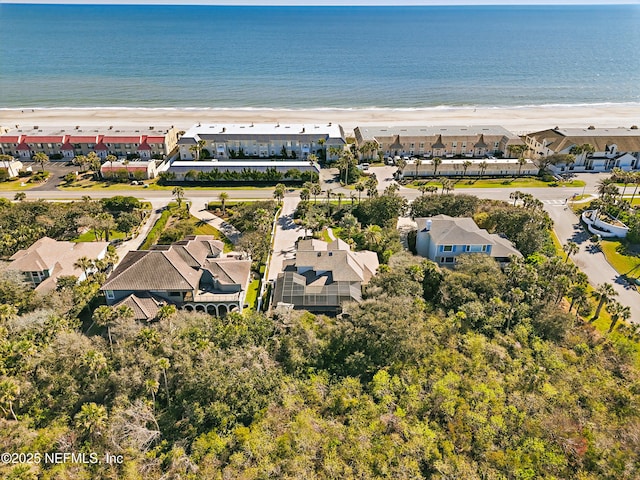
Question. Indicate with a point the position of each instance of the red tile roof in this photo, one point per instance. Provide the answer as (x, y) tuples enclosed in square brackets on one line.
[(144, 146), (66, 146), (82, 139), (151, 139), (43, 138), (23, 146), (9, 138), (100, 146)]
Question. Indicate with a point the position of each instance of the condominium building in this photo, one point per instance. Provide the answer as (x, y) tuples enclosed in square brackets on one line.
[(67, 143), (262, 140), (612, 147), (446, 141)]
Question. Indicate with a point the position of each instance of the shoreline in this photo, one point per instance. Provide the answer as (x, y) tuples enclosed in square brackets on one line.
[(519, 119)]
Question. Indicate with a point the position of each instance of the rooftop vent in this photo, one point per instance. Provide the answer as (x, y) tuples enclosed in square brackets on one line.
[(77, 127), (110, 127), (35, 127), (151, 128), (591, 127), (634, 127)]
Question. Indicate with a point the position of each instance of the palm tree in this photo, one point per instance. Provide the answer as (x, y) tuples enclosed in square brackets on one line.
[(424, 188), (517, 151), (418, 163), (41, 158), (437, 161), (104, 316), (151, 385), (521, 162), (340, 196), (483, 167), (178, 192), (617, 311), (85, 264), (315, 190), (515, 196), (372, 236), (164, 365), (360, 187), (91, 418), (111, 159), (570, 248), (447, 185), (9, 391), (576, 292), (604, 293), (465, 166), (635, 179), (20, 197), (223, 197), (278, 192), (305, 195)]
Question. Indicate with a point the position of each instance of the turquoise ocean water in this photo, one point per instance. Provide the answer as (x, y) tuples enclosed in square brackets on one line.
[(317, 57)]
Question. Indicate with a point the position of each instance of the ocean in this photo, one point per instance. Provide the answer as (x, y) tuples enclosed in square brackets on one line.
[(317, 57)]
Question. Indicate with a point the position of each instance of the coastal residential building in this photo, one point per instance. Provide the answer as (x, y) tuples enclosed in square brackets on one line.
[(10, 168), (188, 170), (443, 238), (261, 140), (66, 143), (612, 148), (194, 274), (323, 276), (492, 167), (134, 170), (47, 260), (434, 141)]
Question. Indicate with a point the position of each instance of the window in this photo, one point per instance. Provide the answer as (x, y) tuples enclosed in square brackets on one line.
[(447, 248), (467, 248), (174, 294), (454, 144), (484, 248), (421, 146), (412, 145), (448, 260), (109, 294)]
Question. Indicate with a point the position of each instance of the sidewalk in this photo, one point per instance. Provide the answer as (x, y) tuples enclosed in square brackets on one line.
[(198, 209)]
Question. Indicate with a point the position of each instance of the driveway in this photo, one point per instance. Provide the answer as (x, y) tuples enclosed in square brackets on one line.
[(286, 235), (592, 261)]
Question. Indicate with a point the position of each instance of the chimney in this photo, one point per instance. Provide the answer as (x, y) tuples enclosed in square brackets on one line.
[(224, 129), (428, 226)]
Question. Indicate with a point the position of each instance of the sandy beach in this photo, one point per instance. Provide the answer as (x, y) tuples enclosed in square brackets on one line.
[(517, 119)]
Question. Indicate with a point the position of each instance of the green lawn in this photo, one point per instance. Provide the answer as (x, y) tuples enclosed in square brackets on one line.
[(88, 184), (89, 236), (203, 228), (252, 294), (17, 185), (500, 183), (625, 262)]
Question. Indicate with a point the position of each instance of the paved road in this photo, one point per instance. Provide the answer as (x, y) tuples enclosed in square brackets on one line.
[(590, 260), (286, 235), (567, 226)]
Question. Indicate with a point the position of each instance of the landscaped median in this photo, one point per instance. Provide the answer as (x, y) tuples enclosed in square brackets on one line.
[(524, 182)]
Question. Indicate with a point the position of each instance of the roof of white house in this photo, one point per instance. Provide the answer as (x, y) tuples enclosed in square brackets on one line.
[(242, 163), (474, 161), (266, 130)]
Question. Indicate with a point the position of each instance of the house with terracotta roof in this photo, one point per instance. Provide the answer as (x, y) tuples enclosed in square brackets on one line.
[(47, 260), (613, 148), (438, 141), (442, 239), (323, 276), (194, 274), (67, 143)]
